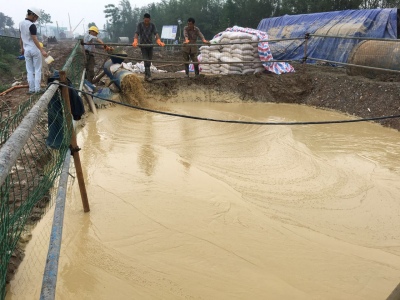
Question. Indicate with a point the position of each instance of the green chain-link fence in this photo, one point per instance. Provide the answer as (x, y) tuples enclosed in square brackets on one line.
[(25, 189)]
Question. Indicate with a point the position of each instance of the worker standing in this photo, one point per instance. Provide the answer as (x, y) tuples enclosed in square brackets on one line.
[(32, 50), (146, 30), (89, 39), (191, 33)]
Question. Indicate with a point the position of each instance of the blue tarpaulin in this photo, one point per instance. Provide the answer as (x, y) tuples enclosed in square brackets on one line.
[(372, 23)]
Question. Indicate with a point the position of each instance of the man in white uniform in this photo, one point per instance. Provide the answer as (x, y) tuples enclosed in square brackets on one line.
[(32, 50)]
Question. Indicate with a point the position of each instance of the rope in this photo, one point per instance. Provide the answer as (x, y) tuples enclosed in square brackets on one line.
[(353, 65), (175, 62), (234, 121), (180, 45), (353, 38)]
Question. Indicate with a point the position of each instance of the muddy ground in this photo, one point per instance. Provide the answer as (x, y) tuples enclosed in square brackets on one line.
[(320, 86)]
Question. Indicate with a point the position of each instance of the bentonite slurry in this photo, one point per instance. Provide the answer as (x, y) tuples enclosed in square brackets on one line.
[(132, 89), (190, 209)]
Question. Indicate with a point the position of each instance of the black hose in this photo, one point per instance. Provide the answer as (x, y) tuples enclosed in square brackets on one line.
[(234, 121)]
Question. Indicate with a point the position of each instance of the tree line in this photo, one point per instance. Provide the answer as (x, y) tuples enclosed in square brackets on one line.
[(7, 23), (213, 16)]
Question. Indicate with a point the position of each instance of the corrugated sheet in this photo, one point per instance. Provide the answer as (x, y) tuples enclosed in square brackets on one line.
[(374, 23)]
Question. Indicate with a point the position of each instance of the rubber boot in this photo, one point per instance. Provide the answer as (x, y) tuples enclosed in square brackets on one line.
[(187, 70), (196, 70), (147, 74)]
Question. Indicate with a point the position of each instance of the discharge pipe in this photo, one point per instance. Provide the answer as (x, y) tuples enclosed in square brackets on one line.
[(118, 75)]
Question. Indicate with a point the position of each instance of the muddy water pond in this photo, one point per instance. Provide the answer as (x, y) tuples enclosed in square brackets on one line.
[(192, 209)]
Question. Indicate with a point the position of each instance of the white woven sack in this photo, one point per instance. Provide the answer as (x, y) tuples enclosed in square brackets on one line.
[(239, 41), (227, 72), (231, 67), (216, 54), (237, 35), (217, 40), (214, 47), (247, 58), (203, 48), (229, 59), (248, 53), (259, 70), (226, 49), (239, 56), (243, 47), (236, 51), (248, 71)]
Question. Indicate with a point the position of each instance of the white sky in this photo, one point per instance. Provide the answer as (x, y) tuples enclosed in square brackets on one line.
[(89, 10)]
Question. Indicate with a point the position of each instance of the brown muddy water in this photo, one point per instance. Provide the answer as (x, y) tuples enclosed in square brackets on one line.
[(190, 209)]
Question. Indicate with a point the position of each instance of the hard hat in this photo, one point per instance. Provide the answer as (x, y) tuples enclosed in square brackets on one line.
[(41, 44), (94, 28), (36, 11)]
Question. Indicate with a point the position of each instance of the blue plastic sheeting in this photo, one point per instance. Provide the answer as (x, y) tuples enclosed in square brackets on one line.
[(373, 23)]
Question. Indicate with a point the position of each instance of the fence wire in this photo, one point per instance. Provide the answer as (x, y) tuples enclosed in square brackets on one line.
[(25, 192), (241, 55)]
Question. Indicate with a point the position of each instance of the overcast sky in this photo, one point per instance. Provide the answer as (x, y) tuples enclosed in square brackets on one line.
[(89, 10)]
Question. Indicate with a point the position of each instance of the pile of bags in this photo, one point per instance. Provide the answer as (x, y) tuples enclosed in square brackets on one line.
[(134, 68), (240, 50)]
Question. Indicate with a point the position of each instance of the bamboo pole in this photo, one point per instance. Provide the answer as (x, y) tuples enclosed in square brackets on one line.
[(89, 100), (13, 88), (74, 145), (49, 281), (12, 148)]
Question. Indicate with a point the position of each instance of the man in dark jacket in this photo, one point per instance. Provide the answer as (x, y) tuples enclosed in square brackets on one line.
[(146, 30)]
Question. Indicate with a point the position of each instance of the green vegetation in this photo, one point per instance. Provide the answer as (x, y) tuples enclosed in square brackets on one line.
[(9, 65), (214, 16), (43, 20)]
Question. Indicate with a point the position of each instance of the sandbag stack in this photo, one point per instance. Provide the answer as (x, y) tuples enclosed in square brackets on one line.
[(240, 50), (237, 47)]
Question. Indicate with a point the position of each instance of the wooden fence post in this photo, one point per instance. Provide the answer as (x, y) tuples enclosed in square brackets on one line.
[(73, 145)]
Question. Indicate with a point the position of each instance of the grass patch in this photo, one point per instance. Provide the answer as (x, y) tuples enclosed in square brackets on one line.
[(10, 66), (4, 87)]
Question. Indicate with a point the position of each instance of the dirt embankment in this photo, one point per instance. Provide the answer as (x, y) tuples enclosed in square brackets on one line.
[(319, 86), (315, 85)]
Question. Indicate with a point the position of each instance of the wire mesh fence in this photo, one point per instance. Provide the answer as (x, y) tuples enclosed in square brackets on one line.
[(39, 134), (26, 190), (242, 53)]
